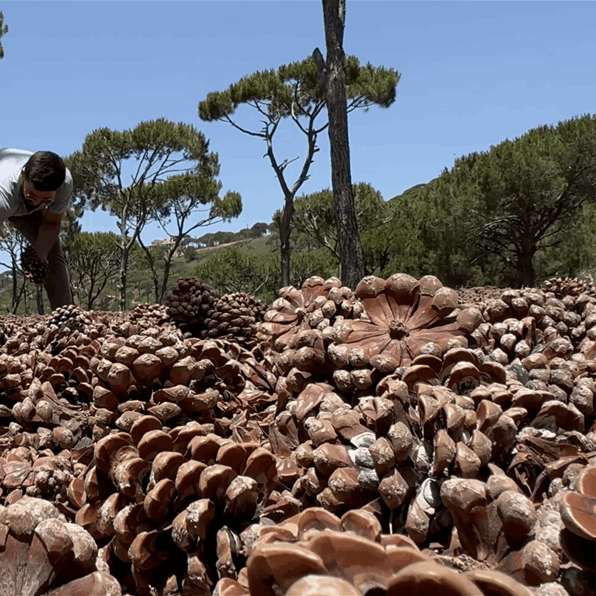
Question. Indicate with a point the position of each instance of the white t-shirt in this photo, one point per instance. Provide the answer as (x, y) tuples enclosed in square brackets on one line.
[(12, 201)]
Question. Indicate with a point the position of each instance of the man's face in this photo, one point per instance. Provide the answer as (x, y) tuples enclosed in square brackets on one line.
[(37, 197)]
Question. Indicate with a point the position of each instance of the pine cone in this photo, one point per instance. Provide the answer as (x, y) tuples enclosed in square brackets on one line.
[(188, 301), (569, 286), (70, 316), (149, 314), (235, 317), (318, 304), (34, 268)]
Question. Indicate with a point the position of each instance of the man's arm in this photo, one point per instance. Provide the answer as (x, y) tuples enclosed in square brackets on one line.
[(48, 233)]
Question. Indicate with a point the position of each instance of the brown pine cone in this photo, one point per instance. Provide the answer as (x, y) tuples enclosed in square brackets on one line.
[(149, 314), (34, 268), (70, 316), (188, 301), (235, 317), (569, 286)]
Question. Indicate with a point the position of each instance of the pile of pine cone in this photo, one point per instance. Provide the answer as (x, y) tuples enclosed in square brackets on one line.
[(188, 301), (195, 308), (34, 268), (382, 441)]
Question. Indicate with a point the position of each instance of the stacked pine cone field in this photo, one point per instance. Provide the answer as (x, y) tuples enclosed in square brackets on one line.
[(401, 438)]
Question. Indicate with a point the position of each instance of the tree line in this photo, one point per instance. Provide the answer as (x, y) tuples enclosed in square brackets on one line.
[(511, 216), (516, 213)]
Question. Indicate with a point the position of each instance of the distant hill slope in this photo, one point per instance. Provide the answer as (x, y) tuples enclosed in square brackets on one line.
[(252, 246), (410, 191)]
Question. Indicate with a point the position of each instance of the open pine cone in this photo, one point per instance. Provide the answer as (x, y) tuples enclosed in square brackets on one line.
[(188, 301), (34, 268), (235, 317)]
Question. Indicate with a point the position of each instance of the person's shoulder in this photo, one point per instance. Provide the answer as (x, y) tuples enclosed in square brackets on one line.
[(11, 162), (68, 184), (14, 154)]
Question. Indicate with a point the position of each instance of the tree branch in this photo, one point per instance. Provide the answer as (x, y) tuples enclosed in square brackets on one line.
[(244, 130)]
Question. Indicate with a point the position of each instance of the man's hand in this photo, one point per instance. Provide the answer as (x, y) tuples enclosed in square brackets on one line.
[(41, 255)]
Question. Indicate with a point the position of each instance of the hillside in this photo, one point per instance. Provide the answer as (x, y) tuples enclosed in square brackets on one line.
[(140, 286)]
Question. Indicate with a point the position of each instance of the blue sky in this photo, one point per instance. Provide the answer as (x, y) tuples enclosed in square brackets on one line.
[(472, 75)]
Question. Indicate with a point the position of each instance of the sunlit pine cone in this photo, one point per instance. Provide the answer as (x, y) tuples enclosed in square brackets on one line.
[(404, 314), (188, 301), (149, 314), (35, 532), (309, 307), (34, 268), (577, 513), (235, 317)]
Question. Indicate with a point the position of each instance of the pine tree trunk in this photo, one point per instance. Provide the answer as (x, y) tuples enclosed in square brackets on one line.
[(123, 267), (123, 262), (351, 262), (285, 230), (166, 270), (15, 287), (39, 298), (22, 291), (160, 295), (164, 282), (527, 275)]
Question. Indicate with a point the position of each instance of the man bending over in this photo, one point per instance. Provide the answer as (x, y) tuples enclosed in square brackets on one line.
[(35, 193)]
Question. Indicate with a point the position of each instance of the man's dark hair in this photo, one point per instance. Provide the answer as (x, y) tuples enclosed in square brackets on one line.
[(45, 170)]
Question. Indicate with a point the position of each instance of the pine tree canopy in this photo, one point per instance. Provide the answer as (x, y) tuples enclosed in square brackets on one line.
[(294, 89)]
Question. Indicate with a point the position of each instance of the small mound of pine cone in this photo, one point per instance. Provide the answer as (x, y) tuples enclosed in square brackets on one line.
[(235, 317), (70, 316), (34, 268), (189, 300)]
